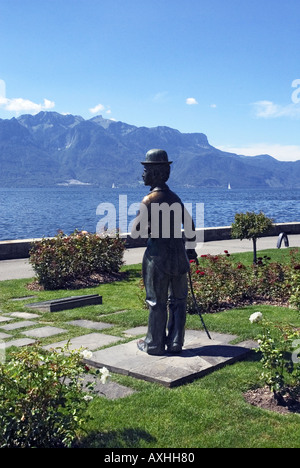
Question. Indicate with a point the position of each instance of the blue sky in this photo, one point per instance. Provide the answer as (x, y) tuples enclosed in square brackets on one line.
[(227, 68)]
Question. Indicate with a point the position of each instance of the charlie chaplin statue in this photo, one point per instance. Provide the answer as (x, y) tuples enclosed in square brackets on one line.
[(167, 258)]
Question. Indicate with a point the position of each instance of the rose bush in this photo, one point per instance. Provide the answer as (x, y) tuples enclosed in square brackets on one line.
[(219, 282), (281, 370), (295, 281), (65, 258), (43, 398)]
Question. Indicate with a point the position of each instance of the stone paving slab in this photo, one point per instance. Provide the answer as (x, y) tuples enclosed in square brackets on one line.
[(90, 324), (24, 315), (91, 341), (44, 332), (199, 357), (19, 342), (5, 319), (16, 325), (135, 331), (4, 335), (110, 390)]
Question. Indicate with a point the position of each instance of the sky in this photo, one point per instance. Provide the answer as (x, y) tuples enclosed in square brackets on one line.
[(226, 68)]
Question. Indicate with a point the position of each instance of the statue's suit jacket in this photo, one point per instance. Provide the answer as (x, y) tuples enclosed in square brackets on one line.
[(168, 254)]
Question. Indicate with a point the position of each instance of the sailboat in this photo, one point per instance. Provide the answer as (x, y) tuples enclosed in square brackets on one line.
[(113, 186), (229, 186)]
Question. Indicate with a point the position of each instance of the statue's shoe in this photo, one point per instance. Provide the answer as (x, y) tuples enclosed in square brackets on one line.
[(174, 348), (143, 346)]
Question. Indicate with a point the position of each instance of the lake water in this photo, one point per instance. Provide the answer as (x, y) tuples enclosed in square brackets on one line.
[(37, 212)]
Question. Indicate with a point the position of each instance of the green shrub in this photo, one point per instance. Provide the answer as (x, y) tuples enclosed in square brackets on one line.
[(64, 259), (250, 225), (295, 280), (295, 296), (271, 280), (42, 403), (281, 366), (219, 282)]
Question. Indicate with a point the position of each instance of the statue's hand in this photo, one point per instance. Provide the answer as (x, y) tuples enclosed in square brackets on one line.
[(192, 255)]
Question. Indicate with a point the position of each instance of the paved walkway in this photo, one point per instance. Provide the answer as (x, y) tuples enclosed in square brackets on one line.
[(199, 356), (20, 268)]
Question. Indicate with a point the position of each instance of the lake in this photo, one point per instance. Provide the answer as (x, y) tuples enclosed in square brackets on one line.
[(37, 212)]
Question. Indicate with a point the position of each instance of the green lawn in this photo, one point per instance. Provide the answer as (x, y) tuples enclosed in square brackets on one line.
[(282, 256), (210, 412)]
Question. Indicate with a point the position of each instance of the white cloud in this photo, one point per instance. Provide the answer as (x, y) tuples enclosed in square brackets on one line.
[(19, 105), (191, 101), (270, 110), (213, 106), (97, 108), (280, 152)]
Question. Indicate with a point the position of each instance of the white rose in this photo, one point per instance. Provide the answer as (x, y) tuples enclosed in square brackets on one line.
[(86, 354), (256, 317), (104, 375), (87, 397)]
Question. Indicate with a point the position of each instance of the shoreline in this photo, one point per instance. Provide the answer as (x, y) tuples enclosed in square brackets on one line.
[(16, 249)]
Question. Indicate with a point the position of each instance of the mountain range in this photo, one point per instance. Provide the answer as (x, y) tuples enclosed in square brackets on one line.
[(49, 149)]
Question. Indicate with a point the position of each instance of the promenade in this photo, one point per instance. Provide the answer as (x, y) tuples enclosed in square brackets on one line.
[(20, 268)]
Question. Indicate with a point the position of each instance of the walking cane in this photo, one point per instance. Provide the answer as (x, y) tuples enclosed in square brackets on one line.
[(196, 306)]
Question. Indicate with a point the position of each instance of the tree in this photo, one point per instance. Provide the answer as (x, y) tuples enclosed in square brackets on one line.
[(250, 225)]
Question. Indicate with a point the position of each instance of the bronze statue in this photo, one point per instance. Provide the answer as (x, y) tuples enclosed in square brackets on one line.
[(166, 260)]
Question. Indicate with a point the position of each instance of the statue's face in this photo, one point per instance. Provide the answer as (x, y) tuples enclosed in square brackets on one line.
[(154, 174), (148, 176)]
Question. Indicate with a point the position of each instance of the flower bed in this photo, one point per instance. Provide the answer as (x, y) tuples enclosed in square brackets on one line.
[(219, 282)]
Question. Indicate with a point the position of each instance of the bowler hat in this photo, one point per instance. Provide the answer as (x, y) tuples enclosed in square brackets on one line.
[(157, 156)]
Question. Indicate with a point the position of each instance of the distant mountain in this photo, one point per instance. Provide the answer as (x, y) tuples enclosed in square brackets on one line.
[(48, 149)]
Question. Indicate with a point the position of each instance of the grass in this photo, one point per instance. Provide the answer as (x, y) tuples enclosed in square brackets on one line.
[(210, 412), (282, 256)]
